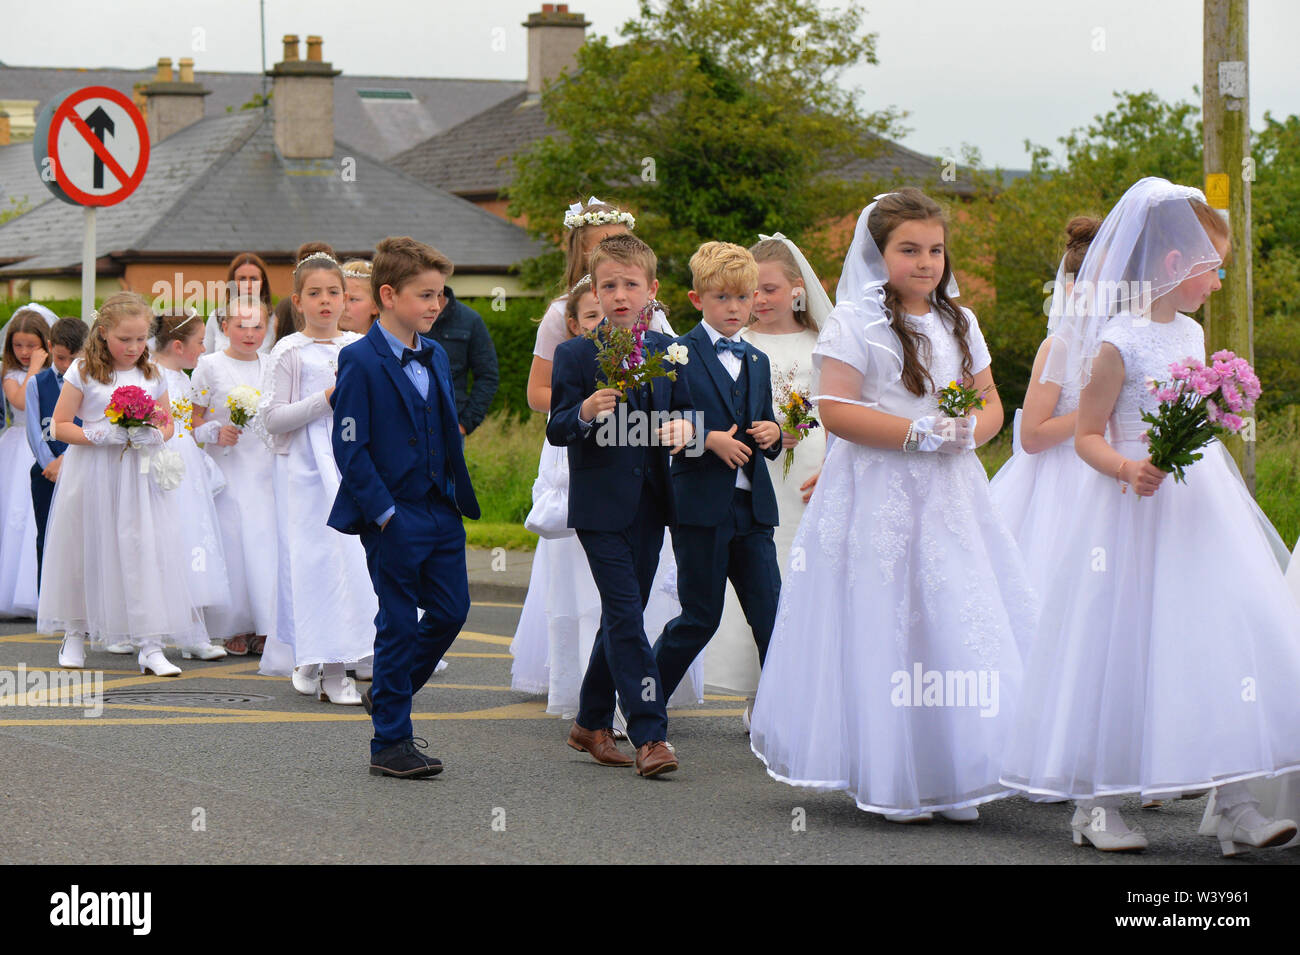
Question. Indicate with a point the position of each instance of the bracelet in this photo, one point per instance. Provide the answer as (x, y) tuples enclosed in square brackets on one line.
[(910, 436), (1122, 483)]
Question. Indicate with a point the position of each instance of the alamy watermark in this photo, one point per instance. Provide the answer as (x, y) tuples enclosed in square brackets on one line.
[(79, 688), (922, 687), (626, 427)]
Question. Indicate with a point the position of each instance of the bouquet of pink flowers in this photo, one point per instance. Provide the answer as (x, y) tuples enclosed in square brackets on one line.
[(1197, 404), (622, 358), (132, 407)]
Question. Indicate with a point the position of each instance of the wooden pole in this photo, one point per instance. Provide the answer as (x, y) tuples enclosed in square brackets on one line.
[(1229, 320)]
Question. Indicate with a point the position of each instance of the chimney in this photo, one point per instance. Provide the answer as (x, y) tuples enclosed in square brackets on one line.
[(171, 104), (554, 36), (4, 128), (302, 101)]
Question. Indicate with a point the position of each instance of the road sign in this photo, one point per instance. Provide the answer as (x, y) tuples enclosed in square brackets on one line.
[(91, 146)]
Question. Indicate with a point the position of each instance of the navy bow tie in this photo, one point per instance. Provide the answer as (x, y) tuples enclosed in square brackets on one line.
[(424, 356), (726, 344)]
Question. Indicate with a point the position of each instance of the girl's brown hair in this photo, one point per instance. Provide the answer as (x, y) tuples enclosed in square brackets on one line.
[(176, 328), (1216, 227), (309, 258), (1079, 233), (912, 205), (25, 321), (98, 361), (249, 258), (774, 250), (573, 302), (287, 319)]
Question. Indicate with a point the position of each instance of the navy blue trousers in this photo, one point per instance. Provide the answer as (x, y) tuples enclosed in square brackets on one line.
[(42, 494), (739, 549), (418, 560), (623, 564)]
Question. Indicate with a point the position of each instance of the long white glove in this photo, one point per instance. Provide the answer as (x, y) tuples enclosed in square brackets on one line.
[(208, 432), (105, 432), (142, 436), (945, 435)]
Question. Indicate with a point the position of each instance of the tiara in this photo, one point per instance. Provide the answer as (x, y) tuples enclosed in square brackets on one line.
[(578, 286), (317, 255), (355, 274), (575, 217)]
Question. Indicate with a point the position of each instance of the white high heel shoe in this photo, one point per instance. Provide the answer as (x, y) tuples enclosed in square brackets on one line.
[(338, 689), (72, 652), (210, 652), (121, 649), (1113, 835), (1253, 830), (306, 679), (364, 669), (154, 662)]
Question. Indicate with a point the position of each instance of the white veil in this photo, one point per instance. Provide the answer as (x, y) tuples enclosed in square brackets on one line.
[(1148, 244), (818, 303)]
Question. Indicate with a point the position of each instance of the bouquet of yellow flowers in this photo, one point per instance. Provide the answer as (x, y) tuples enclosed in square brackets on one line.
[(958, 400), (796, 411)]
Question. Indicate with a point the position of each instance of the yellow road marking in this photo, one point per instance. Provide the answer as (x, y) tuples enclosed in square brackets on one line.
[(484, 638), (489, 603)]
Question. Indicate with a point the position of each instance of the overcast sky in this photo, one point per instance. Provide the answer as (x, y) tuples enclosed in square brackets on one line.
[(991, 73)]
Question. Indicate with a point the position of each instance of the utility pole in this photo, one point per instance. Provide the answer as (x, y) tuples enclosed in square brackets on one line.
[(1229, 172)]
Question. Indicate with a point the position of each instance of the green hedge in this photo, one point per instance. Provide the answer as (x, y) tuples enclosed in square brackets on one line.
[(513, 327)]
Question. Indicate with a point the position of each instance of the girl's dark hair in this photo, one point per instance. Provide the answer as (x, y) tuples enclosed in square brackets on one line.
[(25, 321), (70, 333), (98, 360), (176, 328), (571, 306), (287, 319), (774, 250), (1079, 233), (912, 205), (311, 257)]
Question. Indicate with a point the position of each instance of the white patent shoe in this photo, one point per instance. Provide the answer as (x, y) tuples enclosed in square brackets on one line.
[(121, 649), (1253, 831), (210, 652), (154, 662), (1108, 832), (909, 818), (338, 689), (364, 670), (306, 678), (968, 814), (72, 652)]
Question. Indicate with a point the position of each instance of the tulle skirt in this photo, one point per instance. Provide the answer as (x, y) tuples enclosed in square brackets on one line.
[(1167, 657), (17, 525), (893, 671), (198, 532), (246, 518), (113, 565)]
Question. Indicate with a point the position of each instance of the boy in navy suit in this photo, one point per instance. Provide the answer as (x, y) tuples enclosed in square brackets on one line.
[(620, 499), (67, 336), (404, 488), (726, 507)]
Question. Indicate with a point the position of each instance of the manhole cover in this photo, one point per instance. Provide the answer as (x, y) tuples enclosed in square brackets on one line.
[(180, 697)]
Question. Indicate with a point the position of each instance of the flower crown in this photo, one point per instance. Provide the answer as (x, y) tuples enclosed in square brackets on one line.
[(575, 217), (317, 255)]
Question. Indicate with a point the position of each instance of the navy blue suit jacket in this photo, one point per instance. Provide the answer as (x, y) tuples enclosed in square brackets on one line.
[(704, 485), (379, 451), (605, 481)]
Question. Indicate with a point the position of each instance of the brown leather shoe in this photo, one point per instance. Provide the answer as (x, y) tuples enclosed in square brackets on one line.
[(600, 744), (655, 759)]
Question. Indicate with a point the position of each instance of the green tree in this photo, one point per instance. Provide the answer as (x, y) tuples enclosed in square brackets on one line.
[(715, 119)]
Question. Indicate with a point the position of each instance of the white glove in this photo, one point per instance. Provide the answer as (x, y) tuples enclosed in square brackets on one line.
[(142, 436), (208, 432), (105, 432), (946, 435)]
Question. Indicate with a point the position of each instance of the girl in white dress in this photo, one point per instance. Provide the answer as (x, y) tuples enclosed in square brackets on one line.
[(561, 613), (26, 355), (246, 281), (325, 604), (246, 511), (1167, 657), (197, 536), (789, 307), (1040, 480), (893, 671), (111, 566)]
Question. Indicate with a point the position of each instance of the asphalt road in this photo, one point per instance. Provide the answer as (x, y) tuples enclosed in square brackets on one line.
[(251, 772)]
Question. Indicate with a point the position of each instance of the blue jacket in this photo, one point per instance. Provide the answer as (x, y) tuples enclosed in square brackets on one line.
[(703, 485), (382, 455), (605, 481)]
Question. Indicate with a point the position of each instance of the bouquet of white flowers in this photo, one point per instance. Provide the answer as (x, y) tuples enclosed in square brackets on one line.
[(242, 402)]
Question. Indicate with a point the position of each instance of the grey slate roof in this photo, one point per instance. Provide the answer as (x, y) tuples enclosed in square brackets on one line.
[(466, 159), (219, 187), (383, 127)]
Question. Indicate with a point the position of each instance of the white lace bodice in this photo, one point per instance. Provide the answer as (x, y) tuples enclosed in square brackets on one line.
[(944, 364), (18, 415), (1147, 349), (95, 395)]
